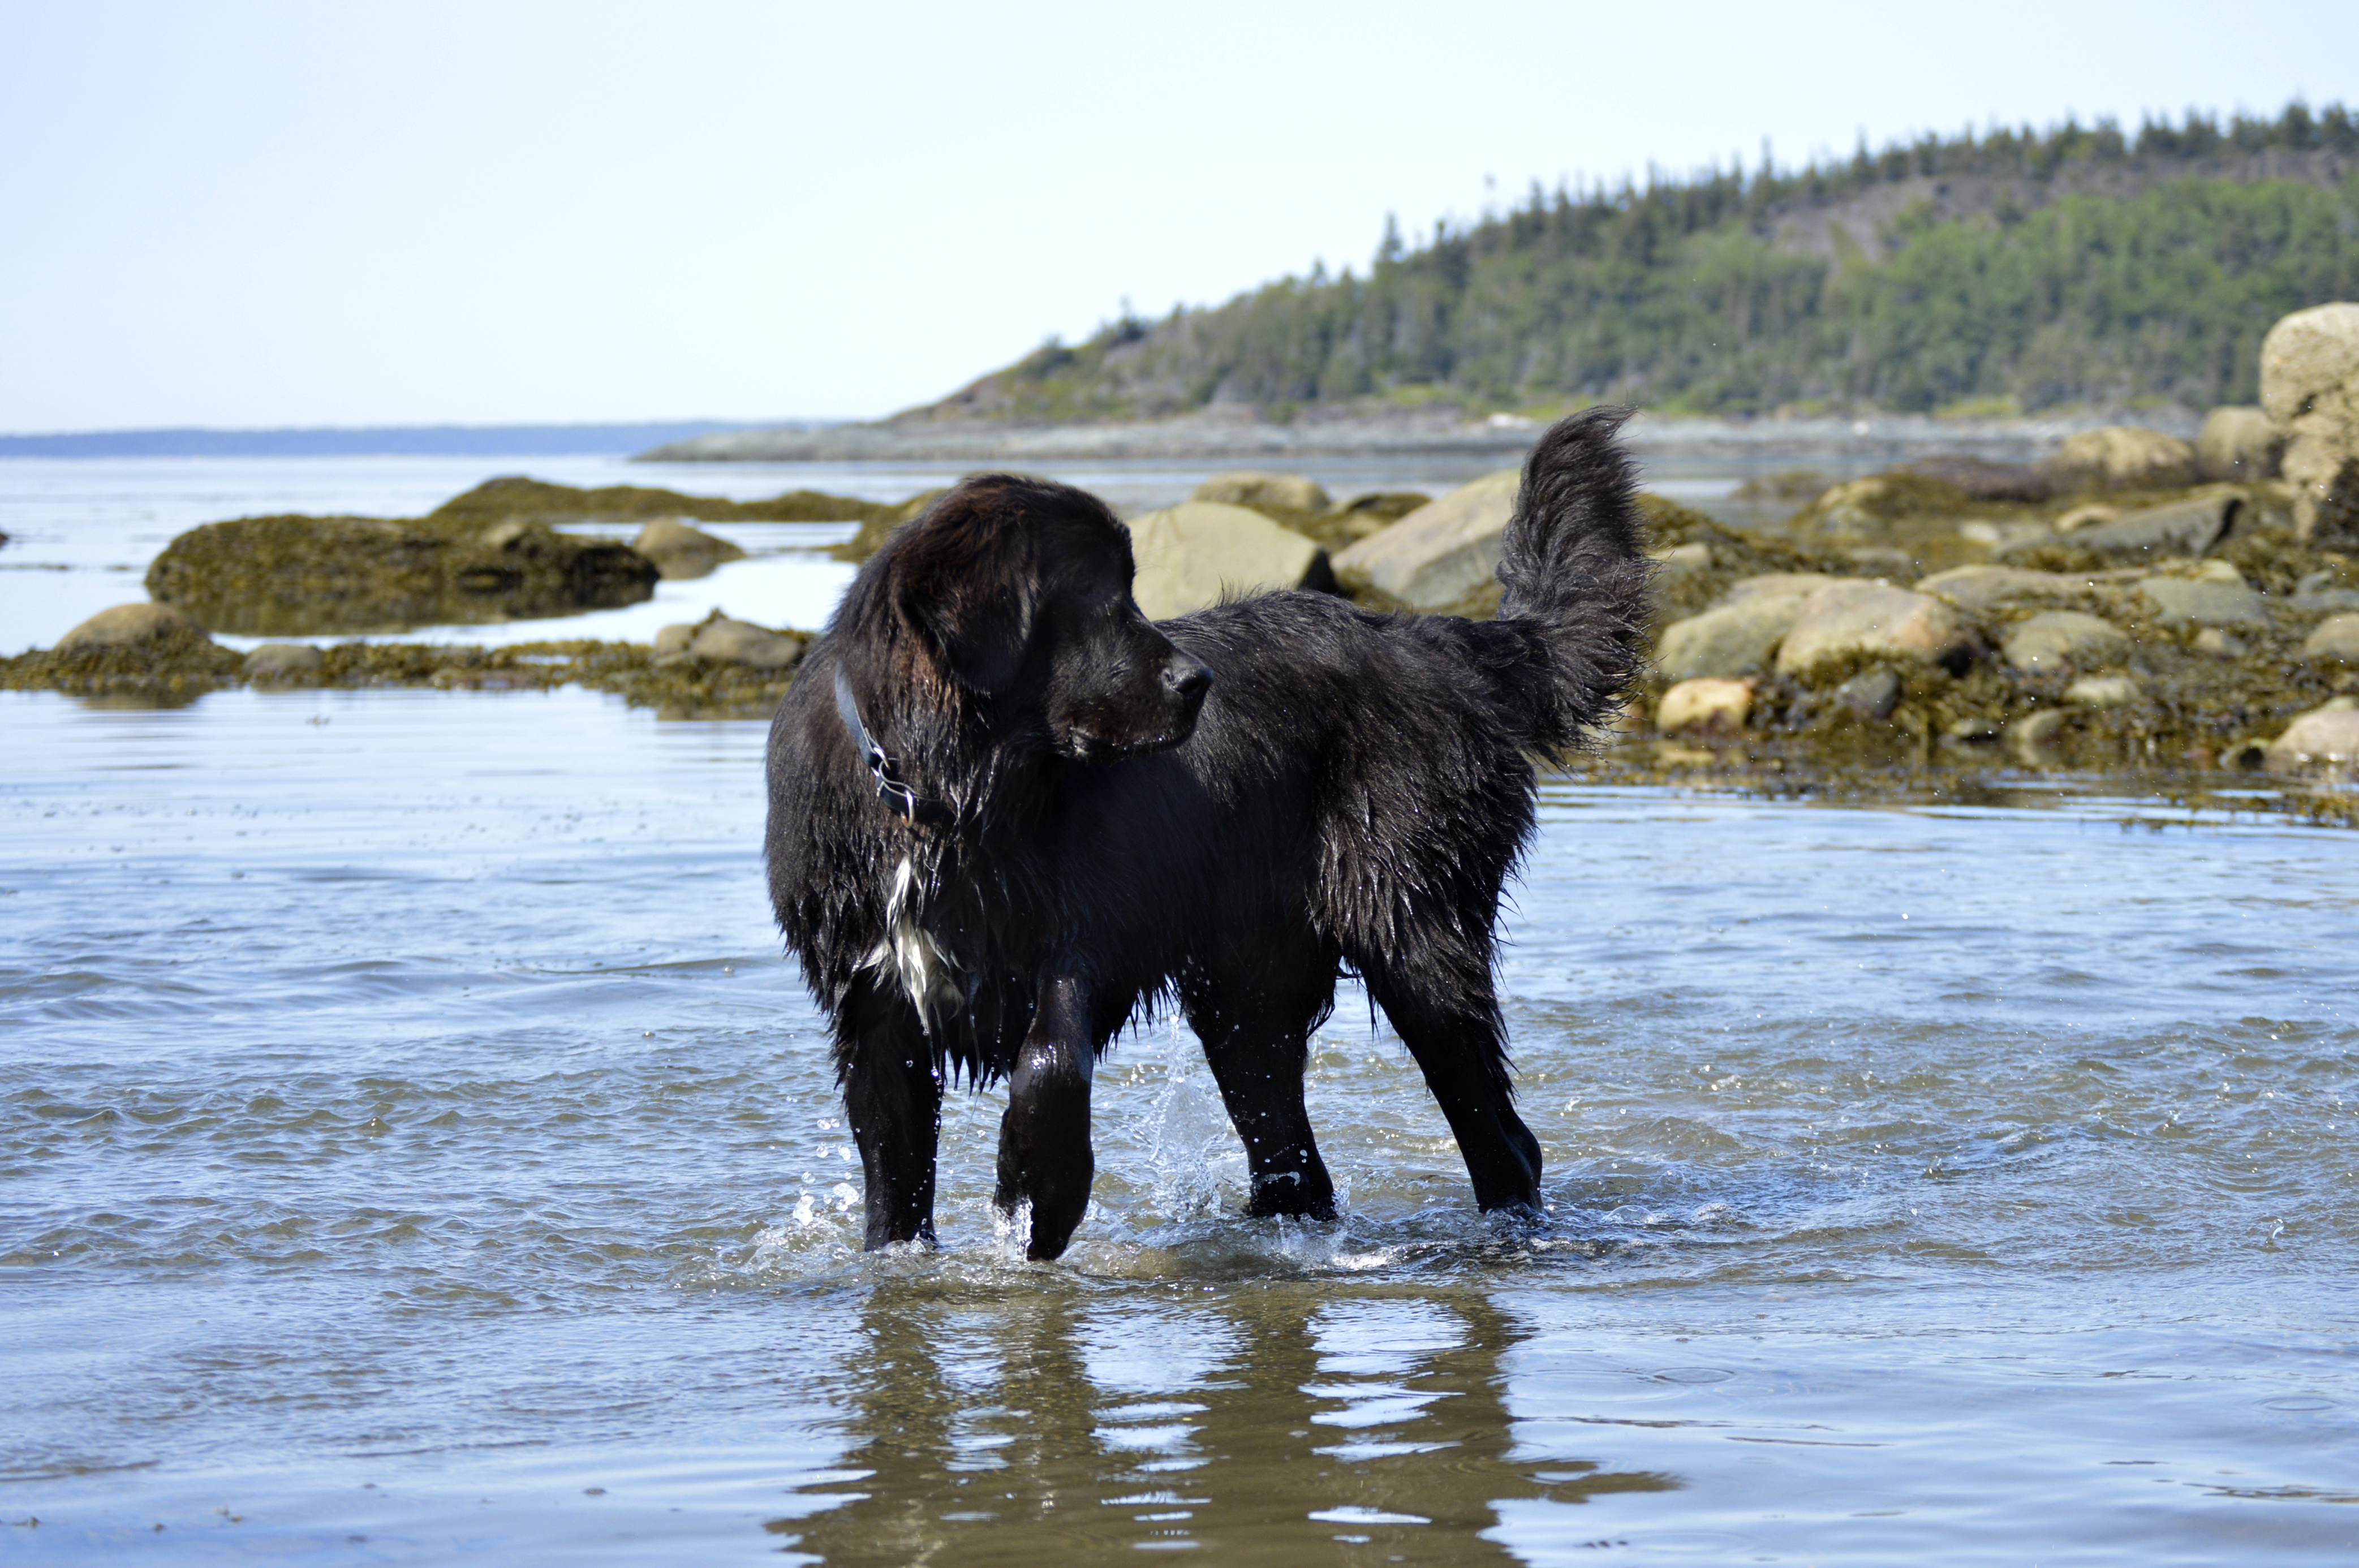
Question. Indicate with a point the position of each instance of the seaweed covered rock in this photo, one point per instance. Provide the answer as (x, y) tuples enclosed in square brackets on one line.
[(1980, 479), (1194, 554), (150, 653), (1856, 622), (679, 550), (1866, 508), (2310, 388), (2238, 445), (1439, 553), (1267, 493), (514, 495), (2122, 457), (302, 576)]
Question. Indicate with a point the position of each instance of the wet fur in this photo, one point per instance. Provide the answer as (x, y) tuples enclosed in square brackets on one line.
[(1351, 795)]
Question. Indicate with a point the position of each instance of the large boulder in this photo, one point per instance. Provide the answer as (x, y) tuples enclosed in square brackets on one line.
[(132, 626), (1199, 553), (2310, 389), (1443, 550), (2060, 639), (2124, 457), (1285, 493), (2238, 444), (2203, 602), (1872, 620), (1737, 636), (2328, 734), (680, 551)]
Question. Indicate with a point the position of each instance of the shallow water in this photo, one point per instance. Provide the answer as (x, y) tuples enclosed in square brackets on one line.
[(413, 1147)]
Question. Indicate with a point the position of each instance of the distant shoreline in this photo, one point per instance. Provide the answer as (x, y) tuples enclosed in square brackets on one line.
[(614, 439), (1245, 438)]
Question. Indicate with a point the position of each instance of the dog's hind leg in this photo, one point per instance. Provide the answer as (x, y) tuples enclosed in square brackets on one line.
[(1457, 1043), (1044, 1138), (893, 1098), (1257, 1035)]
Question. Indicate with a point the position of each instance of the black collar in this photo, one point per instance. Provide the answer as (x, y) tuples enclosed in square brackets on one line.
[(899, 799)]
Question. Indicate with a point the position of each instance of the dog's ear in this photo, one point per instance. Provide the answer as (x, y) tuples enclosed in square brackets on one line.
[(968, 602)]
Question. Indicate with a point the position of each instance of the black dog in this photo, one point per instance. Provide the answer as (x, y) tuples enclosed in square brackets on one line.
[(1006, 811)]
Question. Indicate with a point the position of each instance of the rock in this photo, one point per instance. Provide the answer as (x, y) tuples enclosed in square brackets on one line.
[(2203, 602), (2335, 640), (2213, 643), (679, 550), (1871, 695), (2103, 692), (675, 638), (283, 661), (1705, 704), (1191, 555), (2310, 389), (1737, 636), (2125, 457), (725, 641), (1264, 492), (1874, 621), (1442, 550), (2238, 444), (131, 626), (1780, 585), (1979, 479), (1862, 508), (1681, 561), (2324, 734), (2086, 516), (1980, 587), (2064, 639), (2182, 527), (2033, 739), (2318, 591), (304, 577)]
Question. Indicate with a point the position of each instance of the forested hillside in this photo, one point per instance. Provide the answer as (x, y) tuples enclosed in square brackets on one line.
[(2081, 265)]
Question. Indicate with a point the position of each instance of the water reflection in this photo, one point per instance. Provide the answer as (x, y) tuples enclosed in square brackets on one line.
[(1264, 1421)]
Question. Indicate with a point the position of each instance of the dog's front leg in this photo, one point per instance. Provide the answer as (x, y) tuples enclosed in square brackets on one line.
[(893, 1098), (1044, 1138)]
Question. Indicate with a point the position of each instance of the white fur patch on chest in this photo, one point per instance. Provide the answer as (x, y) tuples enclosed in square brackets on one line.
[(910, 955)]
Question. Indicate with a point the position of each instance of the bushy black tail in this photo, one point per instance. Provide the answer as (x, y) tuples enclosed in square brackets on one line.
[(1574, 565)]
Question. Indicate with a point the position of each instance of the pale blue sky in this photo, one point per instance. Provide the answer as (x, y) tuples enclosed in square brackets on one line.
[(242, 213)]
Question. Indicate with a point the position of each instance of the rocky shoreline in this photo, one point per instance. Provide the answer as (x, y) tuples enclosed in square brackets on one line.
[(1243, 435)]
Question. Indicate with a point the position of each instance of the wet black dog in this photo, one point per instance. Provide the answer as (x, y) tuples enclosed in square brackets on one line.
[(1005, 812)]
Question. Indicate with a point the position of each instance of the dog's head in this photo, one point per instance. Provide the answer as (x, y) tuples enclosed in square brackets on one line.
[(1017, 592)]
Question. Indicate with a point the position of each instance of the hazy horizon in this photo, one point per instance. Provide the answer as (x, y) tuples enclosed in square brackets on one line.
[(266, 217)]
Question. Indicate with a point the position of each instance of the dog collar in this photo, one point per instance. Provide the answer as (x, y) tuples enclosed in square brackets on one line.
[(899, 799)]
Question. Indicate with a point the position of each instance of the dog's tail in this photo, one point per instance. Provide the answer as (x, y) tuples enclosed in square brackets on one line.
[(1575, 567)]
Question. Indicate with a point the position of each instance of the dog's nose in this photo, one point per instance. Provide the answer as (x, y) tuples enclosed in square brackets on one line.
[(1186, 678)]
